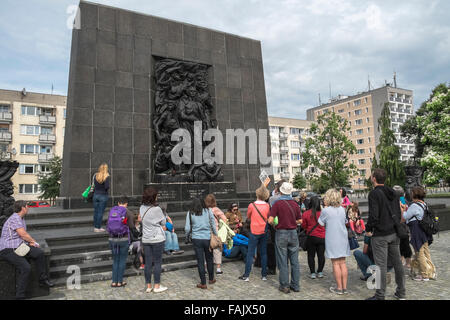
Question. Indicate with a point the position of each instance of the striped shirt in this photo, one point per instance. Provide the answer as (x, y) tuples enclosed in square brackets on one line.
[(10, 239)]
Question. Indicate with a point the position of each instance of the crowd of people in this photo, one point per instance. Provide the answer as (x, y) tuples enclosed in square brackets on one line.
[(269, 236)]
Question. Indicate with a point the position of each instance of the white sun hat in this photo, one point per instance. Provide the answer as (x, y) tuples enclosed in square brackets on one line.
[(286, 188)]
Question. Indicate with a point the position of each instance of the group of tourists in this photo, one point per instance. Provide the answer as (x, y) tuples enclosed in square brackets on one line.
[(276, 228)]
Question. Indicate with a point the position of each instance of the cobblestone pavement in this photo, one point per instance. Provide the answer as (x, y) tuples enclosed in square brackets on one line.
[(182, 284)]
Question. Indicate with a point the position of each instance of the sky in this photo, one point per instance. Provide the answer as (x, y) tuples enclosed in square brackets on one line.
[(308, 47)]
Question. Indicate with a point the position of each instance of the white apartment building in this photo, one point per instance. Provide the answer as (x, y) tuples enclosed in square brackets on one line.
[(31, 132), (288, 138)]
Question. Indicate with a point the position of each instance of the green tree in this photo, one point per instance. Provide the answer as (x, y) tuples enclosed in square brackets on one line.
[(329, 149), (433, 125), (299, 181), (50, 182), (388, 152)]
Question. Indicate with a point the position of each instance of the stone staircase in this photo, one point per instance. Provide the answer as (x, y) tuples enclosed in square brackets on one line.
[(71, 241)]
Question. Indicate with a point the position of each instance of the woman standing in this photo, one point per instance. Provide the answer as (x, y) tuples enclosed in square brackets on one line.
[(100, 199), (419, 239), (211, 203), (200, 220), (315, 243), (153, 237), (258, 213), (337, 247)]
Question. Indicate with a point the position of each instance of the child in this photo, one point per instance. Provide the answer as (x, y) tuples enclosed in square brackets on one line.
[(354, 217)]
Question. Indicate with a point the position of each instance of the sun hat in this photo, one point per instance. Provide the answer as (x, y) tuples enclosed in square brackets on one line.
[(286, 188)]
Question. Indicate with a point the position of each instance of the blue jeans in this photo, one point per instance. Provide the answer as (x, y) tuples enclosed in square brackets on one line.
[(201, 248), (286, 249), (119, 251), (171, 242), (256, 241), (100, 202), (238, 250), (153, 260), (363, 261)]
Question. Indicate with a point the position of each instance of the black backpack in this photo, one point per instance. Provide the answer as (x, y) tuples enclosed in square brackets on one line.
[(429, 222)]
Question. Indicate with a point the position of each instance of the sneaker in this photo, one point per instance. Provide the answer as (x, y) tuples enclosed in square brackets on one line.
[(344, 291), (336, 291), (142, 267), (419, 278), (374, 298), (160, 289), (219, 272), (178, 252), (99, 230), (396, 296), (293, 289), (148, 290), (313, 276), (244, 278), (320, 275), (264, 278)]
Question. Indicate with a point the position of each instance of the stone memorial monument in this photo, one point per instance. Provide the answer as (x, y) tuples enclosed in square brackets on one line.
[(135, 79)]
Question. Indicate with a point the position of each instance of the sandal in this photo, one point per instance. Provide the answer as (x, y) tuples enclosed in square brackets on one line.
[(122, 284), (113, 285)]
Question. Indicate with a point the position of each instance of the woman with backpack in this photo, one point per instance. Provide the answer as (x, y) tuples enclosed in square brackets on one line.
[(153, 238), (258, 214), (419, 239), (119, 240), (101, 182), (200, 223), (315, 242)]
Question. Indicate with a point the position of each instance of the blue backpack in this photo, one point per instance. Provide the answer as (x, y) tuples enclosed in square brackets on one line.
[(116, 226)]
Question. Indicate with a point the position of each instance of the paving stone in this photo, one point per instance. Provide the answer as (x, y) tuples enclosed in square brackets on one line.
[(181, 284)]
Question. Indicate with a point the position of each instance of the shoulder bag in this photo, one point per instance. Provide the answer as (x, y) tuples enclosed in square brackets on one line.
[(215, 242), (267, 225), (188, 238), (400, 228), (21, 250)]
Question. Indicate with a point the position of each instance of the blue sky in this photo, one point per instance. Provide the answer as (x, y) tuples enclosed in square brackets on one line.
[(307, 45)]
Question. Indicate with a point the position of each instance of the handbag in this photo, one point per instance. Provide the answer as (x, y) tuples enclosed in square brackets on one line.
[(303, 237), (215, 242), (88, 194), (188, 238), (169, 226), (353, 242), (21, 250)]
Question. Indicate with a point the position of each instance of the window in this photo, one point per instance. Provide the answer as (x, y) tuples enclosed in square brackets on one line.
[(358, 112), (44, 168), (368, 130), (296, 170), (361, 151), (4, 127), (30, 111), (367, 110), (274, 129), (359, 131), (4, 148), (369, 139), (358, 122), (341, 111), (45, 149), (348, 104), (365, 100), (29, 130), (295, 157), (362, 172), (295, 131), (295, 144), (367, 120), (349, 114), (64, 131), (325, 111), (362, 161), (65, 113), (46, 130), (4, 107), (28, 188), (275, 156), (29, 149), (370, 150), (360, 141), (357, 102), (27, 169)]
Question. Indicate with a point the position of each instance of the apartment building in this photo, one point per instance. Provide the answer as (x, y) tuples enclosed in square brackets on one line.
[(363, 111), (31, 132), (288, 138)]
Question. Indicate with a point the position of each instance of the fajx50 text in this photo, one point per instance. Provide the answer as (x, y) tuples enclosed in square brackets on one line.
[(244, 310)]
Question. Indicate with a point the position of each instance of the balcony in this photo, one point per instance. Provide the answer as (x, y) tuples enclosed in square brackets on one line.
[(5, 136), (47, 138), (6, 117), (399, 99), (47, 119), (283, 135), (285, 176), (284, 149), (45, 157), (284, 163)]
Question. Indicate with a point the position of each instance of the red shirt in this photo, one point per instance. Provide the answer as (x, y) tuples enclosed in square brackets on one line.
[(308, 223), (286, 219), (258, 224)]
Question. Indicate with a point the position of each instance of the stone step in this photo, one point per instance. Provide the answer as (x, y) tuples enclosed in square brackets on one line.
[(80, 248), (82, 259)]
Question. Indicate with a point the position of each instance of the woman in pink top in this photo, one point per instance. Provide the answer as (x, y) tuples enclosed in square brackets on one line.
[(258, 212), (345, 200), (210, 202)]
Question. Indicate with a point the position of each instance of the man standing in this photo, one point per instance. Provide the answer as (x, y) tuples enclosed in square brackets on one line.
[(14, 233), (276, 192), (384, 207), (286, 238)]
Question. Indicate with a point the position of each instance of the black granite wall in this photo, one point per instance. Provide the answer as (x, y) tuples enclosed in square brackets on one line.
[(111, 94)]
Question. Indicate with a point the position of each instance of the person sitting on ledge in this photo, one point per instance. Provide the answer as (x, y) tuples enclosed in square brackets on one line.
[(14, 234), (234, 217)]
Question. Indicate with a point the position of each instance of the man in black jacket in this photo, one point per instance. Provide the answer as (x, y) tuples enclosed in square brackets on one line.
[(384, 207)]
